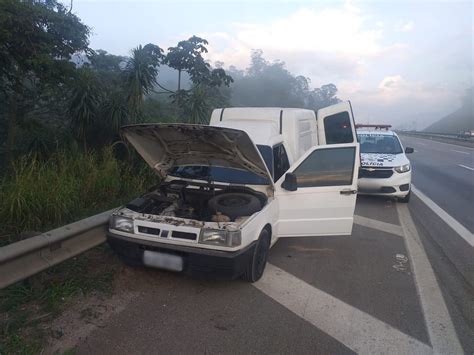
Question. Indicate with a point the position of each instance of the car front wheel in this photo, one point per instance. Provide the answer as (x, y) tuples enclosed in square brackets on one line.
[(257, 264)]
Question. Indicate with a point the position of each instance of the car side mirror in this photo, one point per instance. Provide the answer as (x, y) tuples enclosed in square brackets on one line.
[(409, 150), (290, 182)]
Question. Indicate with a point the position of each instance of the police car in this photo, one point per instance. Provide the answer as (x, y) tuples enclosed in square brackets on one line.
[(384, 166)]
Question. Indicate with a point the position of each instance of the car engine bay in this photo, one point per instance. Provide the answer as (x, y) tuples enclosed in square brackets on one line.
[(199, 201)]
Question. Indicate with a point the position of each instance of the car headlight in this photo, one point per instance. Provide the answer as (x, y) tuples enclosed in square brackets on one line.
[(402, 168), (121, 223), (220, 237)]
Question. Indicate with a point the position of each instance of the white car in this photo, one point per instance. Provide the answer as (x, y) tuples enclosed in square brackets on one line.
[(385, 168), (228, 191)]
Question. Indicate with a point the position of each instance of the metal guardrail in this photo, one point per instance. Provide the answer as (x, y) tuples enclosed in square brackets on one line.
[(27, 257), (438, 135)]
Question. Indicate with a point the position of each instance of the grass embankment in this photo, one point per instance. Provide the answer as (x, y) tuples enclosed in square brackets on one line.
[(38, 195)]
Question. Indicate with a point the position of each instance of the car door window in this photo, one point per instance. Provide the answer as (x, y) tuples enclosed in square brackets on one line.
[(337, 128), (280, 161), (327, 167)]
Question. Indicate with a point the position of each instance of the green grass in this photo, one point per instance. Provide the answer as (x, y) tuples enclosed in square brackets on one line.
[(38, 195)]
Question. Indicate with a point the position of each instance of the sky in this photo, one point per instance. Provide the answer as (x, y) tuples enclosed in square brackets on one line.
[(402, 62)]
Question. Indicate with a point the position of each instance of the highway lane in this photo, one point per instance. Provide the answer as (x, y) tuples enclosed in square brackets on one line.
[(372, 292), (445, 173)]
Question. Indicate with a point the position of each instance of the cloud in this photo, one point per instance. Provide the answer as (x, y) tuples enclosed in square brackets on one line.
[(406, 26), (401, 102), (341, 44), (328, 44)]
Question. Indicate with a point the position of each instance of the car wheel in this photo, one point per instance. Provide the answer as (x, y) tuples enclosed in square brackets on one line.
[(256, 265), (405, 199)]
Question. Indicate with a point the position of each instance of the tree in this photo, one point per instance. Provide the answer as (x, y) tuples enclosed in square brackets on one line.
[(323, 97), (257, 63), (140, 76), (267, 83), (37, 40), (198, 105), (84, 103), (108, 67), (187, 56)]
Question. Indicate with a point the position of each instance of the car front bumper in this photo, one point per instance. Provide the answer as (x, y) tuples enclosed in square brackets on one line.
[(196, 262), (397, 185)]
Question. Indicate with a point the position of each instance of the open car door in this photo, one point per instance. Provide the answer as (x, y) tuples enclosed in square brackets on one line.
[(317, 196), (336, 124)]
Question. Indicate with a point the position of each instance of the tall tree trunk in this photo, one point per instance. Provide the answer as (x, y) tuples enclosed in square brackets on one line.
[(179, 79)]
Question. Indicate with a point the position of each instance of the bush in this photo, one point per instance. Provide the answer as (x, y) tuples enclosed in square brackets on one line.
[(39, 195)]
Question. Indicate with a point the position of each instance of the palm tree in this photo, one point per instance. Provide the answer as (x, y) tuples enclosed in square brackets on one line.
[(84, 103), (199, 105), (114, 110), (140, 75)]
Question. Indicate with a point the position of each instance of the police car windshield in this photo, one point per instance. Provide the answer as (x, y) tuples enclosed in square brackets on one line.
[(379, 143)]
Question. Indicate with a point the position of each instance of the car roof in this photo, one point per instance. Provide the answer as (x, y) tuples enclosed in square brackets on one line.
[(261, 132)]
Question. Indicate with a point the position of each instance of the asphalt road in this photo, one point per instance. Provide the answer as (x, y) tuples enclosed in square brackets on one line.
[(445, 173), (385, 289)]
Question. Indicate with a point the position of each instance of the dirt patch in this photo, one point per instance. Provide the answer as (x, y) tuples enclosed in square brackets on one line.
[(28, 308), (92, 312), (78, 321)]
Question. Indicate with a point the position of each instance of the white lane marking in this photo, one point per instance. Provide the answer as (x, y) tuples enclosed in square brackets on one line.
[(466, 167), (460, 151), (442, 333), (379, 225), (463, 232), (355, 329)]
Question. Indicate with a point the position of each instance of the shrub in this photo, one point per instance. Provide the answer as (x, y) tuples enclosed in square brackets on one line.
[(39, 194)]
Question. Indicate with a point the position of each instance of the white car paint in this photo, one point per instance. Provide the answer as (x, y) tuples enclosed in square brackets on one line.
[(372, 162), (317, 211), (231, 141)]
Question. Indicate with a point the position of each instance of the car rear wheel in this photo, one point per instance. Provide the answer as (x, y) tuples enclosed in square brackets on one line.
[(405, 199), (257, 264)]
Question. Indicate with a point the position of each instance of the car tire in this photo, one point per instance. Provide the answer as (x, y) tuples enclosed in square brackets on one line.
[(257, 263), (405, 199)]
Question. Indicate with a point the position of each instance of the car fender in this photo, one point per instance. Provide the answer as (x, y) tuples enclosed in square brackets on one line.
[(252, 227)]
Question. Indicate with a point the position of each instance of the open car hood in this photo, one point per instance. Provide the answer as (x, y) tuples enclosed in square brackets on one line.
[(164, 146)]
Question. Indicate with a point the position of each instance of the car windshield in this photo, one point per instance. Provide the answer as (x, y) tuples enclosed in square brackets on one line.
[(228, 175), (379, 143)]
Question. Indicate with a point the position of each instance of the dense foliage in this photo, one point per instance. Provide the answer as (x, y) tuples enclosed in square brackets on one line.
[(61, 103), (57, 93), (42, 194), (271, 84)]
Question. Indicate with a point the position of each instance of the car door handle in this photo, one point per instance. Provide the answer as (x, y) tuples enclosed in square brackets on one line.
[(348, 192)]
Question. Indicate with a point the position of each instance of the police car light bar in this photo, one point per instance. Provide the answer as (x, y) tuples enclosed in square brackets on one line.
[(376, 126)]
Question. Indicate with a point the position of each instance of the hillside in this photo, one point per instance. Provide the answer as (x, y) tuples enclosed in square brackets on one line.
[(460, 120)]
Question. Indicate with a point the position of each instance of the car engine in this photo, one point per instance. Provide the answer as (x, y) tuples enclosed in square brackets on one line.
[(203, 202)]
